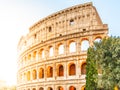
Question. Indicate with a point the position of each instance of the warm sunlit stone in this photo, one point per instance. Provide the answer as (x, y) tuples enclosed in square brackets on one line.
[(52, 56)]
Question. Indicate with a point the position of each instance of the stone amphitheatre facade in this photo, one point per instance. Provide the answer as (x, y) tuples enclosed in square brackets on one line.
[(52, 56)]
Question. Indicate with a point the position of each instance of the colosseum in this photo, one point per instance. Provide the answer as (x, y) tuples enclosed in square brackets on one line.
[(52, 56)]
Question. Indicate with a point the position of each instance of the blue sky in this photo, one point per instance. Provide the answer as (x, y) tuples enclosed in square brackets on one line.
[(108, 10), (16, 16)]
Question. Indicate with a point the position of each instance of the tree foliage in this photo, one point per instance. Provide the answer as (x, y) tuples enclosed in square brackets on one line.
[(91, 76), (106, 57)]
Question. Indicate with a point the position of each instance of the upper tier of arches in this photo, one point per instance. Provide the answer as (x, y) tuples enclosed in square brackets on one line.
[(59, 49), (82, 19)]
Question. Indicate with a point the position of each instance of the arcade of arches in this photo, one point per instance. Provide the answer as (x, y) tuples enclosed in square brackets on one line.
[(52, 56), (48, 72), (35, 74), (59, 88)]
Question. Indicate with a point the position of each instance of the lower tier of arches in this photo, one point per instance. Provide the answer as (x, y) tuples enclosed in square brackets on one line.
[(75, 85)]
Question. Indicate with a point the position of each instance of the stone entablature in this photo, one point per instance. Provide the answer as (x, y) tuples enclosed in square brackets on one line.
[(52, 56)]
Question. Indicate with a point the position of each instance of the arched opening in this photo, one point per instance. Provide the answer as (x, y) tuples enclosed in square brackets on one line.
[(41, 73), (49, 29), (51, 53), (84, 45), (34, 74), (61, 49), (83, 87), (43, 54), (28, 75), (41, 88), (34, 55), (34, 89), (29, 57), (60, 88), (97, 39), (50, 71), (71, 22), (60, 70), (72, 47), (72, 88), (83, 68), (72, 69), (49, 88)]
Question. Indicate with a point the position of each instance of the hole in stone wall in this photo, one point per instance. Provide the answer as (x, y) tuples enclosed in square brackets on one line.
[(50, 29), (84, 30), (71, 22)]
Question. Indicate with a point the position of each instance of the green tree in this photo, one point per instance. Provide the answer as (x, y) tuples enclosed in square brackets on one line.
[(91, 74), (107, 58)]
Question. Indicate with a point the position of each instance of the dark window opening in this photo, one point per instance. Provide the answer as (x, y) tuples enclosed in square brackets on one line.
[(72, 70), (61, 71), (83, 69), (71, 22), (84, 30), (50, 29), (60, 34), (35, 36)]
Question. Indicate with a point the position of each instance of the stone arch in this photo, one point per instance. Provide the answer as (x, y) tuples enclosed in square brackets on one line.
[(42, 53), (98, 39), (41, 88), (72, 22), (34, 74), (72, 88), (72, 46), (41, 73), (60, 48), (95, 37), (60, 70), (34, 55), (49, 71), (72, 69), (50, 29), (49, 88), (34, 89), (85, 44), (83, 87), (51, 51), (28, 75), (83, 68), (60, 88), (29, 57)]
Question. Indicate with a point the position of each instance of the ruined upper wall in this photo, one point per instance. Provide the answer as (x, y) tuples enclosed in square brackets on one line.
[(82, 18), (83, 11)]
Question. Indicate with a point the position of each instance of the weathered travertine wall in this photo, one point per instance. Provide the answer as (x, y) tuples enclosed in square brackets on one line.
[(52, 56)]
